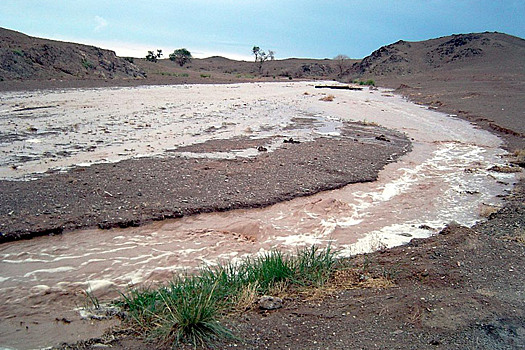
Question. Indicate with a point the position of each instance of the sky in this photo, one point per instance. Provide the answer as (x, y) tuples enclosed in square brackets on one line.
[(290, 28)]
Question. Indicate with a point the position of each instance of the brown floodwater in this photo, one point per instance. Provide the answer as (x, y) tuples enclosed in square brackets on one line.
[(43, 281)]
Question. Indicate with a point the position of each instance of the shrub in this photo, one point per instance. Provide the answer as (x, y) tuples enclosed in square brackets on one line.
[(369, 82), (87, 64)]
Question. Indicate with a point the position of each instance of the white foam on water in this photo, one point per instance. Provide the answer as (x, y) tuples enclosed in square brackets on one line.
[(51, 271), (95, 285)]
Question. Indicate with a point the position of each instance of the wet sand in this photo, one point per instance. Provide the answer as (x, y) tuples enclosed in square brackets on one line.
[(444, 178)]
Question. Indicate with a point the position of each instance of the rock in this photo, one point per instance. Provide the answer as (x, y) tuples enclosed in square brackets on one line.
[(291, 140), (382, 138), (267, 302), (262, 149)]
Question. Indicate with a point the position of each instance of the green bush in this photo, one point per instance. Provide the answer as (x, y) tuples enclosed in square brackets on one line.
[(369, 82), (87, 64)]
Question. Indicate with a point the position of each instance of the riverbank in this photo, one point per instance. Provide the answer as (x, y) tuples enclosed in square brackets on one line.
[(136, 191)]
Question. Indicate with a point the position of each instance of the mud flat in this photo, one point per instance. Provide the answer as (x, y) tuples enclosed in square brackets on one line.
[(194, 130)]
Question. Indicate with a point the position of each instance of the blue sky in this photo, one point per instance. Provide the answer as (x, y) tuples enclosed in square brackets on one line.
[(316, 29)]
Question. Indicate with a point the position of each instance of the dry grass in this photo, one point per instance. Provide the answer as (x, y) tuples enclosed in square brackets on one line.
[(328, 98), (518, 157), (505, 169), (486, 210), (377, 282), (369, 123), (247, 297), (353, 278), (518, 236), (520, 153)]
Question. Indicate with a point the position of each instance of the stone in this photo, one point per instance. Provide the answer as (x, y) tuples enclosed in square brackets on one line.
[(267, 302)]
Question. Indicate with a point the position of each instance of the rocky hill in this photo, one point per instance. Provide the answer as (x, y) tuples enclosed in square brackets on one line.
[(24, 57), (477, 76), (451, 52)]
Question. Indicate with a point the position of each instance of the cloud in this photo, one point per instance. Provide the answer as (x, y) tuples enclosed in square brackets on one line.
[(101, 23)]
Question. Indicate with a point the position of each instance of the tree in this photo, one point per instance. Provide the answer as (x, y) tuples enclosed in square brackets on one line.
[(342, 64), (261, 56), (181, 56), (152, 56)]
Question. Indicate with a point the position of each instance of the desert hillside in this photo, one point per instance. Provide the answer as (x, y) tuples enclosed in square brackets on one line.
[(25, 57), (477, 76), (470, 52)]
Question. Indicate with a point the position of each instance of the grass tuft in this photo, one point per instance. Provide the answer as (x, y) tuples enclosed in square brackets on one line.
[(368, 82), (188, 310), (190, 317)]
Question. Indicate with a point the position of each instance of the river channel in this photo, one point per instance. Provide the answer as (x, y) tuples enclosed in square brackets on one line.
[(43, 281)]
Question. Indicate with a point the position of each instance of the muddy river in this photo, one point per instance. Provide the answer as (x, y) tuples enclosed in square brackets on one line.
[(43, 281)]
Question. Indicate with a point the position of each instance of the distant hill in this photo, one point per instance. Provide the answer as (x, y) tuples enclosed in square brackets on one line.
[(223, 70), (462, 51), (26, 60), (25, 57), (477, 76)]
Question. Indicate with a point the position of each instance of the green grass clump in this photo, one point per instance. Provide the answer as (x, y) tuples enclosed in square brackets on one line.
[(87, 64), (189, 309), (205, 75), (190, 314), (368, 82), (246, 76), (179, 75)]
